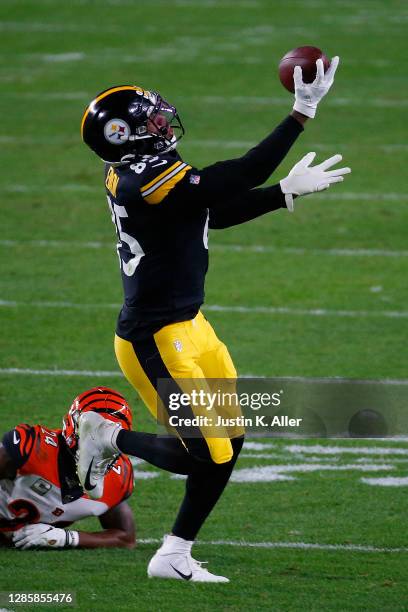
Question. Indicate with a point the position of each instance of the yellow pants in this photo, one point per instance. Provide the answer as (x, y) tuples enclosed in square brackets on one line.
[(190, 353)]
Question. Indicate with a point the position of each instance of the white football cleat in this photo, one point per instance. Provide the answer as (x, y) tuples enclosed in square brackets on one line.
[(95, 451), (174, 560)]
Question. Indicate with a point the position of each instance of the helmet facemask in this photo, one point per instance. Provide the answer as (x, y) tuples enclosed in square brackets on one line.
[(160, 122)]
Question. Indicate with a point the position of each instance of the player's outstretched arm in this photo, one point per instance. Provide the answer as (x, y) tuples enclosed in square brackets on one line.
[(256, 166), (118, 531), (230, 177), (302, 179), (246, 206)]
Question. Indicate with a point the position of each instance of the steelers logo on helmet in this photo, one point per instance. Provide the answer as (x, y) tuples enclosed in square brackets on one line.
[(117, 131)]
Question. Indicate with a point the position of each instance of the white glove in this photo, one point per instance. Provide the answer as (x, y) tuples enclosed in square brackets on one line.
[(303, 179), (40, 534), (308, 95)]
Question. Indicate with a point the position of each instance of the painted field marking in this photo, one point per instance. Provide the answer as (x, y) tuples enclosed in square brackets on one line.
[(280, 101), (336, 450), (258, 248), (63, 57), (309, 312), (256, 446), (388, 481), (235, 144), (266, 310), (79, 187), (275, 456), (296, 545), (116, 373), (56, 305), (144, 475), (58, 244), (210, 143), (270, 473), (43, 27), (238, 248), (56, 372)]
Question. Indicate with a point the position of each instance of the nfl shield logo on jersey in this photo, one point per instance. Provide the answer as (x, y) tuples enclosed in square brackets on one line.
[(41, 486), (178, 346)]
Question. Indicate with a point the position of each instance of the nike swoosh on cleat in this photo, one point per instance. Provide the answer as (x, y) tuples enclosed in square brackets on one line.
[(16, 439), (184, 576), (87, 484)]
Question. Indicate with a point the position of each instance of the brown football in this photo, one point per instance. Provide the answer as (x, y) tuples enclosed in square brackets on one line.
[(305, 57)]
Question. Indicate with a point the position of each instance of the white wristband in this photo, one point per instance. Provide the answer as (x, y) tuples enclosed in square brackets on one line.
[(305, 109), (72, 539)]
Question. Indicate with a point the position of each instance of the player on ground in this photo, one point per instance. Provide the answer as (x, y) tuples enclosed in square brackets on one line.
[(162, 208), (40, 495)]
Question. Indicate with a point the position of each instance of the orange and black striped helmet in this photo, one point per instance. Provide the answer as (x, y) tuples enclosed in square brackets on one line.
[(128, 120), (108, 403)]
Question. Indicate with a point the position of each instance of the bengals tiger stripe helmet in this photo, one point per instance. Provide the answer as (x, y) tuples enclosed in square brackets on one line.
[(128, 120), (108, 403)]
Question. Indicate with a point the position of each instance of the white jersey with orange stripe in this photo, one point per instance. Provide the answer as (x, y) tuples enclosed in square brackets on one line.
[(45, 488)]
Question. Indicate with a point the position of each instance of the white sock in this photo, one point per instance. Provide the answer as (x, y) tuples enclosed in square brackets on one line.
[(174, 544)]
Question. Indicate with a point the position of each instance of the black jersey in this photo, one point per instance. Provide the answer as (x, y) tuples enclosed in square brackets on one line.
[(162, 208), (162, 249)]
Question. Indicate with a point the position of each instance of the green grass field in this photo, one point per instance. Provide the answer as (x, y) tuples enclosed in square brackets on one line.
[(337, 267)]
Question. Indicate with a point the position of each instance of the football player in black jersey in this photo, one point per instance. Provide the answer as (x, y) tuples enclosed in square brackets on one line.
[(162, 208)]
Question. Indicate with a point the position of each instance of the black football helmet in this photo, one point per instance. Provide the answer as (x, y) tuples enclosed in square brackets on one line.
[(127, 120)]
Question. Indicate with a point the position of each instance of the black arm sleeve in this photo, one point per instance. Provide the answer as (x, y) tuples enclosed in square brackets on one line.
[(256, 166), (210, 186), (246, 206), (18, 444)]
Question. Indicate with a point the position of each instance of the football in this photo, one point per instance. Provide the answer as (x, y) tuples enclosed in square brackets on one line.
[(305, 57)]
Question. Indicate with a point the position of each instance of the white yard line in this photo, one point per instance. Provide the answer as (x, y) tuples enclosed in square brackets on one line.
[(270, 473), (238, 248), (142, 475), (249, 445), (201, 143), (246, 144), (67, 187), (56, 372), (282, 101), (266, 310), (296, 545), (58, 244), (46, 95), (207, 4), (387, 481), (78, 187), (57, 305), (257, 248), (372, 197), (336, 380), (308, 312), (318, 449), (74, 56), (43, 27)]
